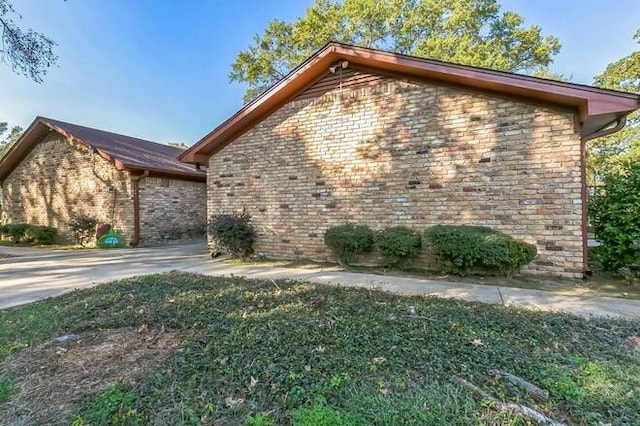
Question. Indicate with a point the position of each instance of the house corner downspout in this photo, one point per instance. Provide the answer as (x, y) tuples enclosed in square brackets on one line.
[(620, 123), (135, 188)]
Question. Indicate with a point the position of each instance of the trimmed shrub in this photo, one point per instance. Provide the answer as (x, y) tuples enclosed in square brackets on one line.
[(233, 232), (520, 254), (461, 248), (40, 234), (345, 241), (82, 228), (398, 245)]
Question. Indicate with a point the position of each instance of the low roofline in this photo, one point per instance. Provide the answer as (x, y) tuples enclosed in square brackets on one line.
[(596, 108), (42, 125)]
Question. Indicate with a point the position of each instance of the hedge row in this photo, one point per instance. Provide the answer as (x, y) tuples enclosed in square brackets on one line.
[(460, 249)]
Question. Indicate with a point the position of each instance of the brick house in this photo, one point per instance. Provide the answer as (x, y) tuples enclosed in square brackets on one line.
[(365, 136), (57, 170)]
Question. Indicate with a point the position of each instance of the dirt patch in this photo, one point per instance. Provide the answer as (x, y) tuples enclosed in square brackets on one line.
[(53, 377)]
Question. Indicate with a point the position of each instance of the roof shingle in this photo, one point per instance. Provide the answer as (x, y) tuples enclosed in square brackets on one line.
[(126, 152)]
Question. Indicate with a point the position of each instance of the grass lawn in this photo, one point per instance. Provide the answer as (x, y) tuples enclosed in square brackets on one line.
[(265, 352)]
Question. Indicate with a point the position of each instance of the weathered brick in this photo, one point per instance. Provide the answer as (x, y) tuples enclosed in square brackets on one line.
[(506, 168), (59, 179)]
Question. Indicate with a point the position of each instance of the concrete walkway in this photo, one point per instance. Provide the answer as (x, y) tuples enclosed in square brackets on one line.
[(41, 274)]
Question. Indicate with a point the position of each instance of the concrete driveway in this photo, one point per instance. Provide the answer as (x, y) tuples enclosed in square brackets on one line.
[(40, 273)]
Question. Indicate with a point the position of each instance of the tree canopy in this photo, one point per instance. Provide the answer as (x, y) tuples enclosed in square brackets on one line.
[(470, 32), (27, 52), (6, 141), (615, 152)]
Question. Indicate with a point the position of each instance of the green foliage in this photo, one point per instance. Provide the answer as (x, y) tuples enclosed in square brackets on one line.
[(7, 388), (614, 214), (398, 245), (617, 151), (15, 231), (520, 254), (322, 415), (286, 347), (45, 235), (259, 419), (461, 248), (345, 241), (82, 228), (13, 135), (115, 406), (472, 32), (30, 234), (234, 233)]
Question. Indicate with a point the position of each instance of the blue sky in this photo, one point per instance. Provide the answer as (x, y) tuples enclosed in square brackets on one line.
[(158, 69)]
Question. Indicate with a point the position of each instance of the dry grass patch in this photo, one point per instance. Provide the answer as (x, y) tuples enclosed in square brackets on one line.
[(52, 378)]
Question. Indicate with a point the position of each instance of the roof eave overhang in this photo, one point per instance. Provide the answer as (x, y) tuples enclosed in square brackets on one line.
[(588, 102), (21, 148), (40, 127)]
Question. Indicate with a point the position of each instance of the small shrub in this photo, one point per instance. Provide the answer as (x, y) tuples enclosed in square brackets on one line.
[(397, 245), (40, 234), (16, 231), (345, 241), (234, 233), (460, 248), (82, 228)]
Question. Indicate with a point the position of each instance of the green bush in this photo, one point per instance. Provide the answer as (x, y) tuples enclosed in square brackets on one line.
[(82, 228), (234, 233), (520, 254), (16, 231), (40, 234), (397, 245), (614, 214), (461, 248), (345, 241)]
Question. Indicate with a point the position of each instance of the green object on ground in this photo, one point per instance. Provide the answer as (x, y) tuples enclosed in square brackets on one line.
[(111, 240)]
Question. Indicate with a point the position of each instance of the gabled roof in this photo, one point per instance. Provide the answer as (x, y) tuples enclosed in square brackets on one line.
[(124, 152), (597, 108)]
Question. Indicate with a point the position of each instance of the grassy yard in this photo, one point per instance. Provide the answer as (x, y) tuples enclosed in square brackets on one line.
[(264, 352)]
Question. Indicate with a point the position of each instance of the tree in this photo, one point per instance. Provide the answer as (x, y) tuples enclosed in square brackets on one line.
[(616, 151), (8, 141), (613, 212), (472, 32), (27, 52)]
